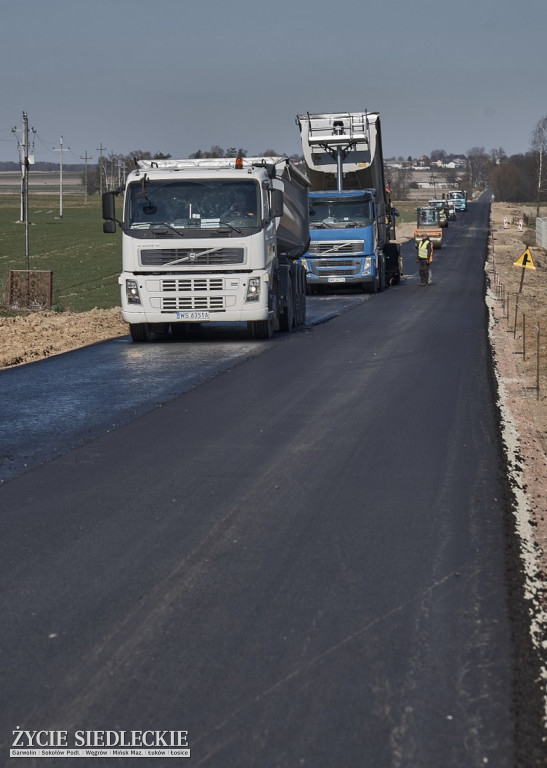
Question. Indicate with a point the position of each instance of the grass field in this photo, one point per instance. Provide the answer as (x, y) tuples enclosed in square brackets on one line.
[(84, 261)]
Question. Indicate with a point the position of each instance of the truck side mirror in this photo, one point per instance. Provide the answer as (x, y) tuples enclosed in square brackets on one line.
[(276, 203), (109, 206)]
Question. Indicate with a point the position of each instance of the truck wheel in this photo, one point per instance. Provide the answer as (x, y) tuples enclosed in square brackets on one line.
[(382, 277), (140, 332), (261, 329), (286, 318), (394, 263)]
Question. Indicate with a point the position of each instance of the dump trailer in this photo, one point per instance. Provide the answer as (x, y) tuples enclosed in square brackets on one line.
[(212, 240), (428, 222), (352, 221)]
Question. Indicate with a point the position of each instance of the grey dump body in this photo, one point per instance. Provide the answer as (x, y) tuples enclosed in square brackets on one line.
[(343, 155), (293, 229)]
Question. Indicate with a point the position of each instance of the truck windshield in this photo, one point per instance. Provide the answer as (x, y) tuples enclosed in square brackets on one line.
[(183, 204), (339, 214)]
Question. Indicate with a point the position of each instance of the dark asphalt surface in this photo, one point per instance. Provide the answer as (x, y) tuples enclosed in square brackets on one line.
[(53, 405), (300, 560)]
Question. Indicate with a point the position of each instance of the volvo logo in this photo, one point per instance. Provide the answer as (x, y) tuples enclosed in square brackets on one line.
[(192, 256)]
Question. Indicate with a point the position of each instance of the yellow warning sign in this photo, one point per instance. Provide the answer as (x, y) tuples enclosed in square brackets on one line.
[(525, 260)]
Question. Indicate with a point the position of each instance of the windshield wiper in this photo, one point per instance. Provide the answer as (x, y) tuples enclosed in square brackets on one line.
[(227, 224), (158, 227)]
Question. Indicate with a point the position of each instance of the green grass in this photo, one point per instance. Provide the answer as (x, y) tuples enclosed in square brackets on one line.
[(85, 262), (407, 211)]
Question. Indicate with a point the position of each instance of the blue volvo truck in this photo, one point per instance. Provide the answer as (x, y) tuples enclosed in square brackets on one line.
[(352, 220)]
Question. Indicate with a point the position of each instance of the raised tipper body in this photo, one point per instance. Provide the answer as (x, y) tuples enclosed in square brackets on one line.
[(351, 216)]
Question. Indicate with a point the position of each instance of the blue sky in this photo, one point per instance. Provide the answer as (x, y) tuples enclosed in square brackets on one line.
[(180, 75)]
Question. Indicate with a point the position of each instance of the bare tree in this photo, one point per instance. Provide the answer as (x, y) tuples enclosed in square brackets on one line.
[(477, 165), (539, 145)]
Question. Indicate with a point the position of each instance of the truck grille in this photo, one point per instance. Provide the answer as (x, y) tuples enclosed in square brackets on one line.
[(191, 256), (192, 284), (337, 247), (185, 292), (335, 267), (175, 303)]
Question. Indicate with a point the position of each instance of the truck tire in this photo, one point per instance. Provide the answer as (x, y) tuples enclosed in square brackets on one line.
[(381, 279), (394, 263), (140, 332), (286, 318), (261, 329)]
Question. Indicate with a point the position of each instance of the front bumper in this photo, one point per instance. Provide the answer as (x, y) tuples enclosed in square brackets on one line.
[(327, 271)]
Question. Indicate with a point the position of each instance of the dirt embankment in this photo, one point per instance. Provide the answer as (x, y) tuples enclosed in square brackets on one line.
[(41, 334)]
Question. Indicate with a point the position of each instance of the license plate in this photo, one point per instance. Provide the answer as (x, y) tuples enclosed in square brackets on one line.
[(192, 315), (337, 279)]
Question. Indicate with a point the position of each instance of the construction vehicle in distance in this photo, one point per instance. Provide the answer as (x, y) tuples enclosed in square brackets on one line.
[(352, 221), (459, 198), (428, 221), (212, 240), (451, 211), (442, 206)]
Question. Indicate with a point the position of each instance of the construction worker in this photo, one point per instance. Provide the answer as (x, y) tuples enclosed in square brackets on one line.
[(425, 257)]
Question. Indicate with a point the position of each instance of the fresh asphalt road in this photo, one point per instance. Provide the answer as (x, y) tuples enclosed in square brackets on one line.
[(300, 560)]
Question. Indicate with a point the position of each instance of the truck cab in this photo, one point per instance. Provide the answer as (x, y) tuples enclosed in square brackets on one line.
[(343, 240), (459, 198)]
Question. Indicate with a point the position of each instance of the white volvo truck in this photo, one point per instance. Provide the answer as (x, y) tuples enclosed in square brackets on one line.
[(212, 240)]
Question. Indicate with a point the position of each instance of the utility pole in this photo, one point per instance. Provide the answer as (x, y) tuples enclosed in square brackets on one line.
[(26, 160), (85, 158), (24, 175), (101, 149), (60, 150)]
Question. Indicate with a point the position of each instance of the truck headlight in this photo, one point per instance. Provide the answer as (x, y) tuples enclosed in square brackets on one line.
[(253, 289), (304, 263), (132, 292)]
